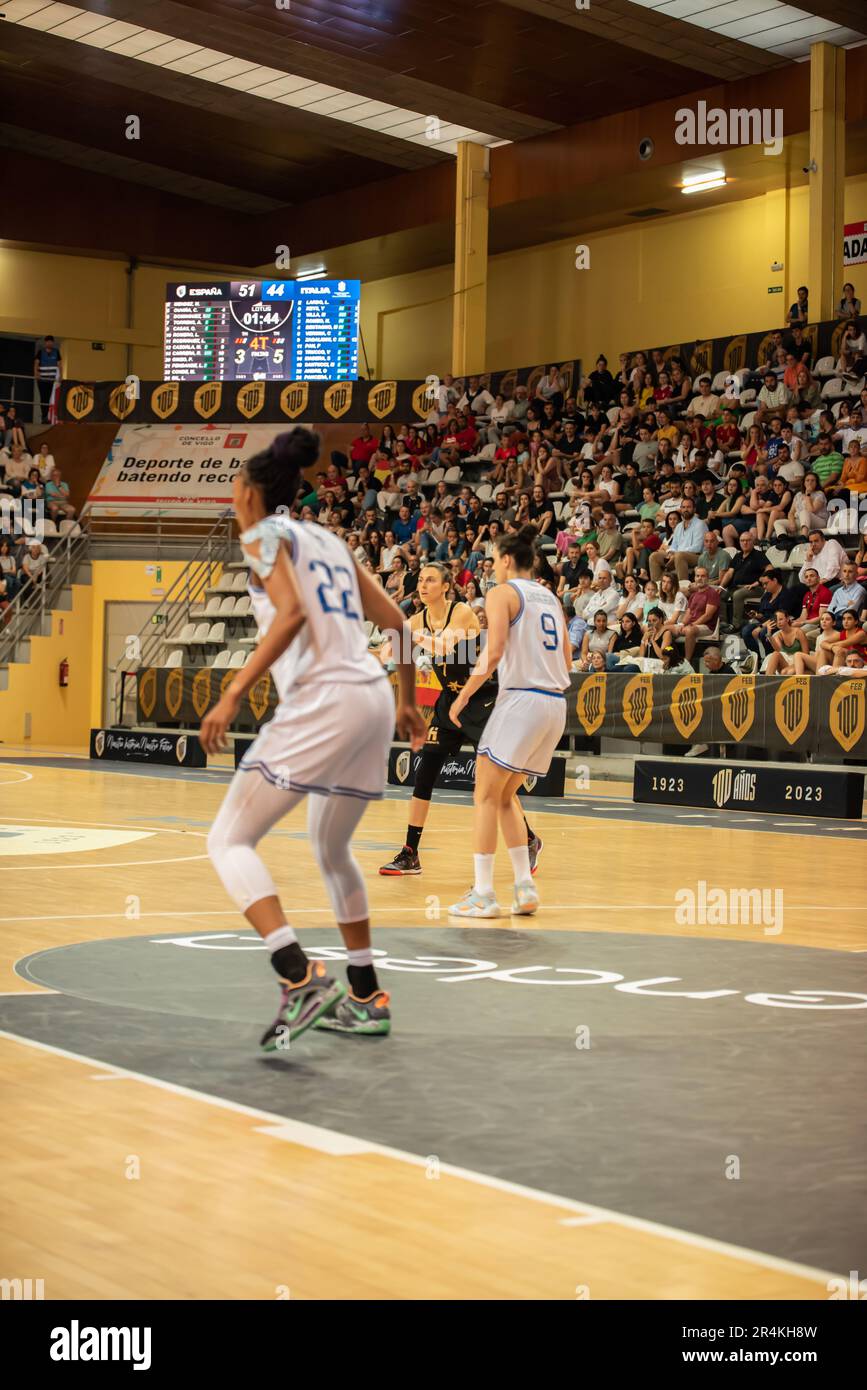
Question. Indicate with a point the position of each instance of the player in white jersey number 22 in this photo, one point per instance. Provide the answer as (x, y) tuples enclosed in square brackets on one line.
[(328, 740), (528, 645)]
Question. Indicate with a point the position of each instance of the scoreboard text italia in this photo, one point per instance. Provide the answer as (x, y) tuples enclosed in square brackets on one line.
[(262, 330)]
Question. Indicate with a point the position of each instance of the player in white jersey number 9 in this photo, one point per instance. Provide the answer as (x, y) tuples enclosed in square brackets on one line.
[(528, 645)]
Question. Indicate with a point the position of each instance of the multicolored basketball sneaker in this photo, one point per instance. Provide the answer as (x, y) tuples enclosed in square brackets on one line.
[(353, 1015), (301, 1005), (474, 904)]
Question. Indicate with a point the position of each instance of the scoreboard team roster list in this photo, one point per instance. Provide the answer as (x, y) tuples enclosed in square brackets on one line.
[(262, 330)]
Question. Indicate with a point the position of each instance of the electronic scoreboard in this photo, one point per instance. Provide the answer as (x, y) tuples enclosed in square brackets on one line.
[(262, 330)]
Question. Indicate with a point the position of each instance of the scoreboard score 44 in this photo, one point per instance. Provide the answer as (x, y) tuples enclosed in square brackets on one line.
[(262, 330)]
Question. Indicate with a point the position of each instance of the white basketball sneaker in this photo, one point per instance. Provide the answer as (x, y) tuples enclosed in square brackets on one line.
[(474, 904), (526, 899)]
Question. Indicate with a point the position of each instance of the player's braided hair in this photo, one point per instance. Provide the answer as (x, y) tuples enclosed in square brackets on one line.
[(521, 545), (278, 469)]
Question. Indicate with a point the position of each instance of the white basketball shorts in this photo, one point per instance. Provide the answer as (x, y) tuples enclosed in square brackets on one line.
[(524, 730), (332, 739)]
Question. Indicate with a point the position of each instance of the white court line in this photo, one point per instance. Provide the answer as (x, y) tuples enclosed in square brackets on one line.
[(115, 864), (407, 908), (17, 781), (61, 821), (331, 1141)]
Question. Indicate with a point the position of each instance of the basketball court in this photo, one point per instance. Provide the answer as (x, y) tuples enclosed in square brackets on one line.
[(672, 1118)]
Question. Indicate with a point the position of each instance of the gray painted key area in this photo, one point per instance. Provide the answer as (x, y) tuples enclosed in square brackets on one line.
[(570, 1062)]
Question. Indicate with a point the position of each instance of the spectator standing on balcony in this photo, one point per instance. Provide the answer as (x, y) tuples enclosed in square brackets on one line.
[(47, 368), (849, 307), (800, 310)]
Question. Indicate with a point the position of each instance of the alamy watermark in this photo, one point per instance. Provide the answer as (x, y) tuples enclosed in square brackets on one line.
[(23, 517), (737, 126), (706, 906)]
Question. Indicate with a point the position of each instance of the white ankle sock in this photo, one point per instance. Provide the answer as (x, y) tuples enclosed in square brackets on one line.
[(364, 956), (520, 857), (283, 936), (483, 865)]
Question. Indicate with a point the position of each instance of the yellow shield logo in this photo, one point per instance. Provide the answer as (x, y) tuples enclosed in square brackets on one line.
[(735, 355), (147, 691), (738, 703), (402, 765), (165, 398), (674, 351), (837, 338), (687, 705), (174, 691), (208, 398), (79, 401), (121, 402), (847, 713), (590, 704), (424, 399), (382, 398), (226, 682), (567, 373), (294, 398), (260, 695), (251, 398), (201, 691), (701, 358), (792, 707), (638, 704), (765, 348), (338, 399)]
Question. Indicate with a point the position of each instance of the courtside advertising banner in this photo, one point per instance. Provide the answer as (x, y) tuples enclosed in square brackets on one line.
[(150, 467)]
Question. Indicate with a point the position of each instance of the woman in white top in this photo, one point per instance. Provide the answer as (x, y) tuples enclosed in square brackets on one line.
[(809, 508), (595, 561), (672, 601), (632, 601)]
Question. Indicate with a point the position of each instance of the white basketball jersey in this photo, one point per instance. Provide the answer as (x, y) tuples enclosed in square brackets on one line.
[(332, 645), (533, 659)]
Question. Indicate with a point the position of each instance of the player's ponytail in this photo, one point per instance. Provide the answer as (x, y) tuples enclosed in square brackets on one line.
[(278, 469), (521, 545)]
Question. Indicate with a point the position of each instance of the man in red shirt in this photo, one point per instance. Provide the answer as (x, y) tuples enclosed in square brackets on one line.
[(816, 600), (728, 436), (700, 615), (364, 447)]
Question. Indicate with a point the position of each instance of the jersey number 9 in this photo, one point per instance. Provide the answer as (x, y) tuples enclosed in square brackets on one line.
[(549, 628)]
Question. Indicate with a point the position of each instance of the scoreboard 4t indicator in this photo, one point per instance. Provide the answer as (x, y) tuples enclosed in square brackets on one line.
[(262, 330)]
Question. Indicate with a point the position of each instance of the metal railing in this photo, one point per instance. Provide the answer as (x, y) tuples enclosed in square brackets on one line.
[(146, 648), (23, 392), (27, 613), (162, 532)]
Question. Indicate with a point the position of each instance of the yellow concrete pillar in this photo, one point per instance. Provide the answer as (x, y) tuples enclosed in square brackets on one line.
[(828, 153), (469, 313)]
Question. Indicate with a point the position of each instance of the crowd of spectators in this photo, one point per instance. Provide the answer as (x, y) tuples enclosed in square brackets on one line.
[(675, 516), (34, 502)]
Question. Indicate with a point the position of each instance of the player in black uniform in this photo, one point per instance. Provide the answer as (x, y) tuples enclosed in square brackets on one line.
[(436, 633)]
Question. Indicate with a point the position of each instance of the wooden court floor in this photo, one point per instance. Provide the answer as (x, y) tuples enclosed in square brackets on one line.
[(236, 1203)]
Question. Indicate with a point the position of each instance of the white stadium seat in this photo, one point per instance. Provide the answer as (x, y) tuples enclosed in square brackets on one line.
[(453, 475), (237, 660), (175, 659), (217, 633), (221, 660), (227, 607), (186, 634), (824, 367), (243, 606), (239, 584)]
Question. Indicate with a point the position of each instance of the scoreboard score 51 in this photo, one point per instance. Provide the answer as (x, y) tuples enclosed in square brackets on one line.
[(262, 330)]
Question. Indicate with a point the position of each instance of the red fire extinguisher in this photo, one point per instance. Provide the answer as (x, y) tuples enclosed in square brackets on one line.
[(64, 672)]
